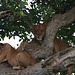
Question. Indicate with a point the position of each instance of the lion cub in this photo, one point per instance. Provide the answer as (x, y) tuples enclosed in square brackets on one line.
[(18, 60)]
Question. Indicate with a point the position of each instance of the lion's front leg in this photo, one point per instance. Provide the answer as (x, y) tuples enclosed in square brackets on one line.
[(18, 67), (3, 57)]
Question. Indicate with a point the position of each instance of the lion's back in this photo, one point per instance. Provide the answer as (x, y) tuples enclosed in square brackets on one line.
[(59, 45), (25, 59)]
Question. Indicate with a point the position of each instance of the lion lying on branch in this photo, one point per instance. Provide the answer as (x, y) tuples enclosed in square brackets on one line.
[(18, 60)]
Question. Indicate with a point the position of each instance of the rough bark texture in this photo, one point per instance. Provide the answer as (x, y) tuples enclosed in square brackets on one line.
[(58, 62)]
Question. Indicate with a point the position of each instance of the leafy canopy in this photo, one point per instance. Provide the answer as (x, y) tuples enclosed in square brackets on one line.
[(40, 11)]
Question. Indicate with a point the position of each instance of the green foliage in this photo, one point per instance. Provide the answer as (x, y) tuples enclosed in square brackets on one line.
[(62, 73), (66, 33), (40, 11)]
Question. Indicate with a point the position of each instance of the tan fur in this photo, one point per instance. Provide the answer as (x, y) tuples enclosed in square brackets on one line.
[(29, 46), (39, 31), (59, 45), (22, 45), (18, 60)]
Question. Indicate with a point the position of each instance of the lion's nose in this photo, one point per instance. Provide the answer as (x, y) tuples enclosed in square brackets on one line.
[(39, 38)]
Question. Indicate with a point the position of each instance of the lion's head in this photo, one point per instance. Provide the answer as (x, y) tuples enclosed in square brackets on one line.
[(4, 47), (39, 31)]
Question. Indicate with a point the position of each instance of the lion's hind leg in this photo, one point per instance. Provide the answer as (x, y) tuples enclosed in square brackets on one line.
[(18, 67)]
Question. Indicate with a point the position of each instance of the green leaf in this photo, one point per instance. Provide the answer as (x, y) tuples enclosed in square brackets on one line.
[(62, 73), (22, 4), (21, 13), (25, 3)]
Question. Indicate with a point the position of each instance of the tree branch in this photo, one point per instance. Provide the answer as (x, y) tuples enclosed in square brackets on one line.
[(7, 13), (63, 56)]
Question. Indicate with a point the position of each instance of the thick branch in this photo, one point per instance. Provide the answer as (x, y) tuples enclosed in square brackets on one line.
[(57, 22), (66, 55)]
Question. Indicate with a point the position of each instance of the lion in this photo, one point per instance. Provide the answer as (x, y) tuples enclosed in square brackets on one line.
[(39, 35), (59, 45), (39, 31), (18, 60)]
